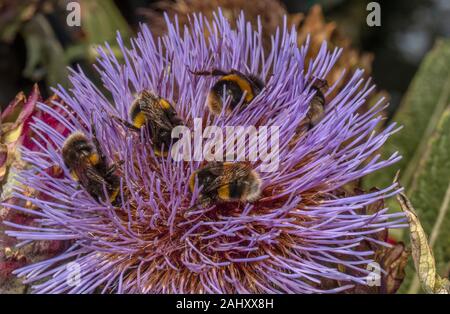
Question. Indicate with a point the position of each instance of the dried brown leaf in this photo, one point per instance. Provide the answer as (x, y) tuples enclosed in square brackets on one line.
[(422, 254)]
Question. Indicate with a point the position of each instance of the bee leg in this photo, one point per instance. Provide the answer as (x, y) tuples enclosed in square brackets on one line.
[(114, 167), (95, 140), (200, 204), (126, 124), (234, 71), (154, 134), (214, 72)]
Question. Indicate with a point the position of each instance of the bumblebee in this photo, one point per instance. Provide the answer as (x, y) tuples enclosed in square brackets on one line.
[(156, 114), (233, 84), (226, 182), (316, 106), (88, 165)]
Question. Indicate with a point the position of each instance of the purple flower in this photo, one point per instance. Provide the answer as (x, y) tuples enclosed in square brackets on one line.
[(294, 239)]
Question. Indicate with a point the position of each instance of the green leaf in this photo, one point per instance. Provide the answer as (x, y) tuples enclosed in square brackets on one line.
[(424, 144), (101, 19), (430, 194), (45, 55), (419, 112)]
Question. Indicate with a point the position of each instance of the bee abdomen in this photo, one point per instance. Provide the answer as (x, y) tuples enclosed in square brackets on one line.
[(316, 107)]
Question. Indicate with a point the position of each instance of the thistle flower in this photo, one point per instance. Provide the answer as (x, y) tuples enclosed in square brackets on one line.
[(302, 233)]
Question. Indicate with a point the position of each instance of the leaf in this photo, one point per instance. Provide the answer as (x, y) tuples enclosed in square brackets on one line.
[(425, 147), (45, 55), (100, 21), (14, 109), (393, 261), (12, 122), (430, 194), (421, 251), (12, 15), (419, 112)]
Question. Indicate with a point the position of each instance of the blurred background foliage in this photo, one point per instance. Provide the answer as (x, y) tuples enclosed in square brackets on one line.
[(408, 57)]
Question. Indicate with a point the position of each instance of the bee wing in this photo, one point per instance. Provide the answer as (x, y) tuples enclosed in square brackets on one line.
[(165, 118), (217, 183), (216, 168), (225, 175), (235, 174), (222, 181), (157, 116), (90, 175)]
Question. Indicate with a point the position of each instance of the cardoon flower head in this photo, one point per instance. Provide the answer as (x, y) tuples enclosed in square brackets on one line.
[(303, 232)]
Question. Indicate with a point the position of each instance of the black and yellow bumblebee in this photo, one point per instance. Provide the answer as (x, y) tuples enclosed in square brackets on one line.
[(233, 85), (317, 105), (89, 166), (158, 115), (226, 182)]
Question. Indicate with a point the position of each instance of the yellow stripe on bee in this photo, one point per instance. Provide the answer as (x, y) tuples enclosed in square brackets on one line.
[(139, 120), (164, 104), (94, 159), (160, 153), (114, 194), (243, 84), (192, 181), (74, 175), (224, 192)]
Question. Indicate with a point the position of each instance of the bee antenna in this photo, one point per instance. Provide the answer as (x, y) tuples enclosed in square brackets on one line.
[(214, 72), (190, 71)]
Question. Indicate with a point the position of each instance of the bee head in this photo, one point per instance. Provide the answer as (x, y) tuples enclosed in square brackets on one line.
[(75, 147), (320, 85)]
